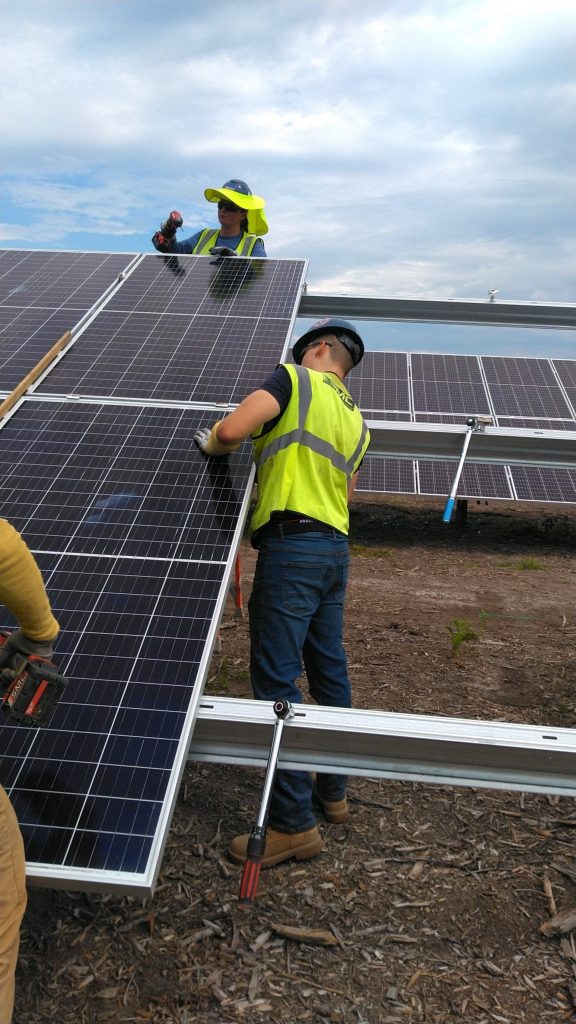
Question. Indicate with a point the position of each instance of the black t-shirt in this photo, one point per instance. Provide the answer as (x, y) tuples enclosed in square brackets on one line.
[(279, 385)]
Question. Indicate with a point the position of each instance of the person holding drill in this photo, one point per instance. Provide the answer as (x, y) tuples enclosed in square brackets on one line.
[(22, 591), (242, 223), (309, 440)]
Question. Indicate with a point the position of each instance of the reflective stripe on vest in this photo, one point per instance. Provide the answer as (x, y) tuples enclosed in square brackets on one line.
[(316, 444), (299, 466), (209, 238)]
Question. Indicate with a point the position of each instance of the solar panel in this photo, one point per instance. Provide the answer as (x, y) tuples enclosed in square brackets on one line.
[(538, 394), (135, 533), (478, 480), (203, 335), (133, 530), (42, 295), (395, 476), (549, 484)]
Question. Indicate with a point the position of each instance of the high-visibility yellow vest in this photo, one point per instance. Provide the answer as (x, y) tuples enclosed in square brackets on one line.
[(209, 238), (306, 462)]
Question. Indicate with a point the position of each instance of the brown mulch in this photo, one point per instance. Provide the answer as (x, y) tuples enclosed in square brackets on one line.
[(427, 907)]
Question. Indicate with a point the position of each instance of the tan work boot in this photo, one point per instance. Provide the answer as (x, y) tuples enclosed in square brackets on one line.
[(335, 811), (280, 846)]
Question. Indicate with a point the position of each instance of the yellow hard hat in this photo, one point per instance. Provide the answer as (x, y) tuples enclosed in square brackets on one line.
[(238, 192)]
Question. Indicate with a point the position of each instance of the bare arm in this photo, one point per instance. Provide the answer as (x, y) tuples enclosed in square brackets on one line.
[(256, 409), (352, 485)]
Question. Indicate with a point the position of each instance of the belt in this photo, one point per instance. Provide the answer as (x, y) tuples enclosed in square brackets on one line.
[(281, 528)]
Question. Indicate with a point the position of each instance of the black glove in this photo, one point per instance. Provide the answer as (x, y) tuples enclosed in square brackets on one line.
[(160, 242), (222, 250), (17, 643)]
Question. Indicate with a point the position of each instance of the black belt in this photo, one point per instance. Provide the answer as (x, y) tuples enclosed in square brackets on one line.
[(281, 528)]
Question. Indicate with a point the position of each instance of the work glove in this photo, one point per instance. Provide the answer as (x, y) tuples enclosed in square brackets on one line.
[(222, 250), (209, 444), (15, 649), (161, 243)]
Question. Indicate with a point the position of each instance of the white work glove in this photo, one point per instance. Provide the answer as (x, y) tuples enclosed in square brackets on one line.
[(208, 443)]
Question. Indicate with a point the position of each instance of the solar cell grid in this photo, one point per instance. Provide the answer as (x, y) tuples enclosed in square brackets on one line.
[(478, 480), (535, 424), (132, 527), (192, 284), (529, 401), (60, 279), (89, 790), (42, 295), (438, 367), (524, 371), (395, 476), (119, 481), (168, 356), (25, 336), (437, 396), (544, 484), (566, 370)]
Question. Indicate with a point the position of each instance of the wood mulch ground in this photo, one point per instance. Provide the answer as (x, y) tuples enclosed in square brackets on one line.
[(427, 907)]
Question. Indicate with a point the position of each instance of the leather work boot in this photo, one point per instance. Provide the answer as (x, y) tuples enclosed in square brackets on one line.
[(280, 846), (335, 811)]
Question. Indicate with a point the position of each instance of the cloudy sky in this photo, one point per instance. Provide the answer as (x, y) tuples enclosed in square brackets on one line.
[(404, 147)]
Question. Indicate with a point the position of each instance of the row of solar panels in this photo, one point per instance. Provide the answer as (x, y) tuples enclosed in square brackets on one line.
[(161, 337), (134, 530)]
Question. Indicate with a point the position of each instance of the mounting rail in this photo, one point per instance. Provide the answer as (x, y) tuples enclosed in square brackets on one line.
[(510, 446), (458, 311), (416, 748)]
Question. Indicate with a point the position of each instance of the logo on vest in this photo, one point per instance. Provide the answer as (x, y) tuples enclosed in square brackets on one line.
[(348, 402)]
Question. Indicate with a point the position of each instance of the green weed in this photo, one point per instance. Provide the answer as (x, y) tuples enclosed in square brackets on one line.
[(529, 563), (460, 631)]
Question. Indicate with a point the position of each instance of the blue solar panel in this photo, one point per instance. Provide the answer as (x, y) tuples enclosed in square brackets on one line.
[(135, 532), (133, 529), (159, 338), (518, 392), (42, 295)]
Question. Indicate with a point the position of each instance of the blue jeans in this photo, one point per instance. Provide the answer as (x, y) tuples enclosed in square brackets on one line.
[(297, 613)]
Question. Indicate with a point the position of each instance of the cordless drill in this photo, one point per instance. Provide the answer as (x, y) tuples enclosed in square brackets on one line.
[(31, 685), (162, 239)]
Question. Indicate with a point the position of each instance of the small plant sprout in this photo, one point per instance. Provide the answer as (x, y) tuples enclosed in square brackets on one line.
[(460, 630)]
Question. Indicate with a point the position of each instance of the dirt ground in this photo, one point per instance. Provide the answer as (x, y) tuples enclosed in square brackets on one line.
[(427, 906)]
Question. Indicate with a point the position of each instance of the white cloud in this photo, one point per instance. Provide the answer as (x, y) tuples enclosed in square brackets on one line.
[(414, 147)]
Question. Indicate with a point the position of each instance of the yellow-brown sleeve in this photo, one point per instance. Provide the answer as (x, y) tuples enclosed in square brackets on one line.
[(22, 587)]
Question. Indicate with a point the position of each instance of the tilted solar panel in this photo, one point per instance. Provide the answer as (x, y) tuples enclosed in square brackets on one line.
[(42, 295), (135, 532), (202, 335)]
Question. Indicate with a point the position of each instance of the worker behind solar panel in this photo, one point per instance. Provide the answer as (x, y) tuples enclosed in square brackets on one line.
[(29, 688), (241, 225), (309, 440)]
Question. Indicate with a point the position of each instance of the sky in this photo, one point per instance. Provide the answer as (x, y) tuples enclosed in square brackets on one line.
[(404, 147)]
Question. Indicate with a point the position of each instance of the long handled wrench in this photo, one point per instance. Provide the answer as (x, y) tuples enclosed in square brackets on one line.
[(257, 841), (473, 424)]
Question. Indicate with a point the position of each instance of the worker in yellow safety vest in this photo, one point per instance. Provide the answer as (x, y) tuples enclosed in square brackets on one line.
[(309, 440), (242, 223), (22, 592)]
